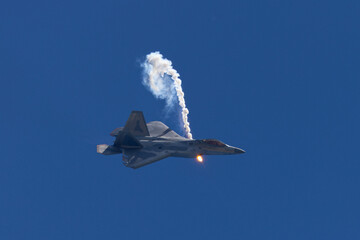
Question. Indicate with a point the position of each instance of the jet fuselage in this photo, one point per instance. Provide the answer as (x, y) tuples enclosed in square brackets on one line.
[(143, 143), (188, 148)]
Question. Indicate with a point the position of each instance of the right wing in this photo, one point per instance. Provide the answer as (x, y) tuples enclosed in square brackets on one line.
[(139, 158), (158, 129)]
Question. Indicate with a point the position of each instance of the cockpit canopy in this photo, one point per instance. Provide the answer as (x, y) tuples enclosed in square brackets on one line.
[(214, 142)]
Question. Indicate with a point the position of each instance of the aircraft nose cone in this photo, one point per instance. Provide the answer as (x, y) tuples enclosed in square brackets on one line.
[(238, 150)]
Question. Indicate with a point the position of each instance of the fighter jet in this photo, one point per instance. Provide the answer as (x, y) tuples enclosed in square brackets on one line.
[(142, 143)]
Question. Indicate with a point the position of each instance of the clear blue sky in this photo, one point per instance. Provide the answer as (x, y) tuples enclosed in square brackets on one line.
[(279, 79)]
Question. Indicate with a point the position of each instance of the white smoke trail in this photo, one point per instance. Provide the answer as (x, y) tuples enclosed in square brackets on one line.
[(156, 77)]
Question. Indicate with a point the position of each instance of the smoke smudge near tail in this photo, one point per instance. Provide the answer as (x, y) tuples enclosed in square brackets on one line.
[(163, 81)]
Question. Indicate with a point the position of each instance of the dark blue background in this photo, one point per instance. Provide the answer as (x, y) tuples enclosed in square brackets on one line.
[(279, 79)]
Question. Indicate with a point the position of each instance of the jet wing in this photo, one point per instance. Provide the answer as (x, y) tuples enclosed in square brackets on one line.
[(139, 158), (159, 129), (136, 125)]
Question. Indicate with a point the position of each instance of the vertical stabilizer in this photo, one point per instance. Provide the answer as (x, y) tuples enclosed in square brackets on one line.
[(136, 125)]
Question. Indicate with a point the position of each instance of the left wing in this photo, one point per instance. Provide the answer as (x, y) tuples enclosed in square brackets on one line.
[(138, 158)]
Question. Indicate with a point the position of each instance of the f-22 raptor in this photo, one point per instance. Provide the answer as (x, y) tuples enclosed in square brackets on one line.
[(142, 143)]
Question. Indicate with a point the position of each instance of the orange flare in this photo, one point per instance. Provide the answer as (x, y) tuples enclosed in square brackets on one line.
[(199, 158)]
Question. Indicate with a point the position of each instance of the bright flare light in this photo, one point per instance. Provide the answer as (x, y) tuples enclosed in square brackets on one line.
[(199, 158)]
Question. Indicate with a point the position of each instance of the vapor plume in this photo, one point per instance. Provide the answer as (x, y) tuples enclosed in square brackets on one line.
[(163, 81)]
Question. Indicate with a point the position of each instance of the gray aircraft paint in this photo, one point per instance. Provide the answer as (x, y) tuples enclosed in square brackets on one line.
[(142, 143)]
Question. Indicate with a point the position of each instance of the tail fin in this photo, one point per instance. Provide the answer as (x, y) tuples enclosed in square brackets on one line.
[(136, 125), (126, 140)]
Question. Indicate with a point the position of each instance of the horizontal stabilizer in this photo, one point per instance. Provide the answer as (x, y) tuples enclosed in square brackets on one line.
[(107, 150)]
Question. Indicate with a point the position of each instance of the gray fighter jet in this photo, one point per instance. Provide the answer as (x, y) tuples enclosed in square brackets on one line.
[(142, 143)]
